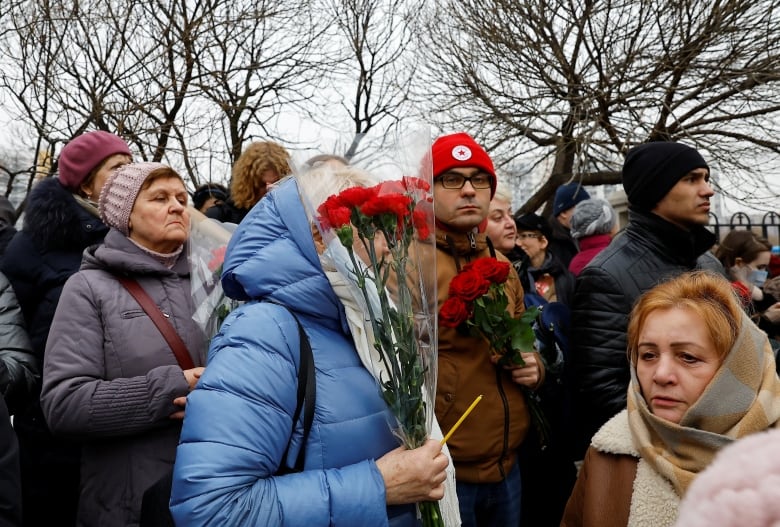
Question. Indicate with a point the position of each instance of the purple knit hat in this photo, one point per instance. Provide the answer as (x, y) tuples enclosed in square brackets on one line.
[(118, 195), (82, 154)]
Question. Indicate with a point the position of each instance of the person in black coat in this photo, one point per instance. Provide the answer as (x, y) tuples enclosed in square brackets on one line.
[(10, 486), (544, 277), (668, 190), (562, 243), (61, 220), (7, 223)]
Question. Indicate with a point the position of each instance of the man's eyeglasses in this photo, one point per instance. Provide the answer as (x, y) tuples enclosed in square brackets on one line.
[(528, 235), (453, 180)]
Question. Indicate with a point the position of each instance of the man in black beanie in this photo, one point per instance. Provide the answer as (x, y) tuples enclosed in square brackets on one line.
[(668, 190)]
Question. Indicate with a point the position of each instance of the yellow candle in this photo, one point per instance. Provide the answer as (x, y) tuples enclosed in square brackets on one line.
[(462, 417)]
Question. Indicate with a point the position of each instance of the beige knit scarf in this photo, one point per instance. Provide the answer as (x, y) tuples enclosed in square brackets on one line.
[(742, 398)]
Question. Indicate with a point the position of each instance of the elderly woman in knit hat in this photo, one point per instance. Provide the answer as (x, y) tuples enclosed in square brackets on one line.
[(702, 376), (593, 224), (61, 219), (111, 378)]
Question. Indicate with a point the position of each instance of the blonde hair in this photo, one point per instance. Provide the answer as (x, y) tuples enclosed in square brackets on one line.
[(503, 193), (322, 181), (247, 186), (704, 293)]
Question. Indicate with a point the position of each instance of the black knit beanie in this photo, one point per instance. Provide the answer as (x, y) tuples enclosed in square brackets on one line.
[(652, 169)]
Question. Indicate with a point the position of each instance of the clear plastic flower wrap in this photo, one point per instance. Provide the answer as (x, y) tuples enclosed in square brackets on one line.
[(207, 245), (379, 254)]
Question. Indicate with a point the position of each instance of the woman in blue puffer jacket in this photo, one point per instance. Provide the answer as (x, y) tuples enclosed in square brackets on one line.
[(239, 419)]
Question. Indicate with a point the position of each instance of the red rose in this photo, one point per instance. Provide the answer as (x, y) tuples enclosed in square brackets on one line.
[(454, 312), (490, 269), (468, 285)]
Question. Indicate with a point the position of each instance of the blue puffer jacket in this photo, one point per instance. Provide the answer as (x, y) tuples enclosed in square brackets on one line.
[(239, 419)]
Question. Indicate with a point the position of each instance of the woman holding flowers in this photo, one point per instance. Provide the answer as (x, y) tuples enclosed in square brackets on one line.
[(240, 418), (702, 376)]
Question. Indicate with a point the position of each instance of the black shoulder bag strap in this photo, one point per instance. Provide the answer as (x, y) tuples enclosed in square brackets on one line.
[(307, 392)]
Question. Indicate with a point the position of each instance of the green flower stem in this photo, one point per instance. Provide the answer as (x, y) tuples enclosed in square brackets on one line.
[(430, 514)]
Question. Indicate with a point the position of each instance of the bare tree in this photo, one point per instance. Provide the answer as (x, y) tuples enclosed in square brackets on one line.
[(379, 63), (258, 60), (169, 75), (570, 85)]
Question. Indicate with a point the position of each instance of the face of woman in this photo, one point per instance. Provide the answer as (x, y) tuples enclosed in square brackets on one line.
[(501, 228), (159, 220), (676, 361), (534, 244), (92, 188), (269, 178)]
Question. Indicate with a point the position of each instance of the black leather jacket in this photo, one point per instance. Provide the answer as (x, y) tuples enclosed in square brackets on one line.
[(649, 251)]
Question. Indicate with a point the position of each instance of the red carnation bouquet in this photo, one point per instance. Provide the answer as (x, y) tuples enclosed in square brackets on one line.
[(477, 305), (396, 294)]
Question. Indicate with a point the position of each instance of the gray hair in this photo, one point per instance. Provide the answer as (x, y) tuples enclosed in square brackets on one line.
[(592, 216), (323, 180)]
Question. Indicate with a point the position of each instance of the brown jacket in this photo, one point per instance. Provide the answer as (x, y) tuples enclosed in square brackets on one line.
[(616, 488), (484, 447), (602, 494)]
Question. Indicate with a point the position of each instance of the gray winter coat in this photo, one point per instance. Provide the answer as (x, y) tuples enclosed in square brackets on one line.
[(109, 378), (19, 367)]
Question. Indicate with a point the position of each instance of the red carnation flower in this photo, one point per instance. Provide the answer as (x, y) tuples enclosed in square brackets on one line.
[(397, 204), (415, 183), (356, 196), (420, 222), (333, 213)]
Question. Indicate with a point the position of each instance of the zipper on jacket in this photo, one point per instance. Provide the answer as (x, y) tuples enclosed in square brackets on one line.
[(472, 240), (505, 403)]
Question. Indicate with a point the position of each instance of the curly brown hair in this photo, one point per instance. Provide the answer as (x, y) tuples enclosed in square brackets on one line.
[(247, 186)]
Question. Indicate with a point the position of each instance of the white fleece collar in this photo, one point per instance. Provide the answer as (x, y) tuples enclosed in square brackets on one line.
[(654, 502)]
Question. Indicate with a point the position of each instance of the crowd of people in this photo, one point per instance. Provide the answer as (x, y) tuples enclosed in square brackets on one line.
[(654, 362)]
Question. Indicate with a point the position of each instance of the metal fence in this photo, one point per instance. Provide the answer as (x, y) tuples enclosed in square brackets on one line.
[(767, 225)]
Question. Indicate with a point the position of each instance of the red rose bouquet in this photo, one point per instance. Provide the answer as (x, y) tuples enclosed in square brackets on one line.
[(477, 305), (379, 227)]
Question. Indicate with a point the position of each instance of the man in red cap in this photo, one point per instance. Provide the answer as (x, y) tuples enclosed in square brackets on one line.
[(484, 449)]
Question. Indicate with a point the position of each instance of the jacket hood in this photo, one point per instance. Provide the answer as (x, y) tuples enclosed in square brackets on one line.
[(271, 256), (119, 255), (55, 220)]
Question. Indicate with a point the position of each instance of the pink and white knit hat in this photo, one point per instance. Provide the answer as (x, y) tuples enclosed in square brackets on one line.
[(119, 192)]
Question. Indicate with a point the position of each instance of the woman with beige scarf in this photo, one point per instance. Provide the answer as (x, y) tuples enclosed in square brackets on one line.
[(702, 376)]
